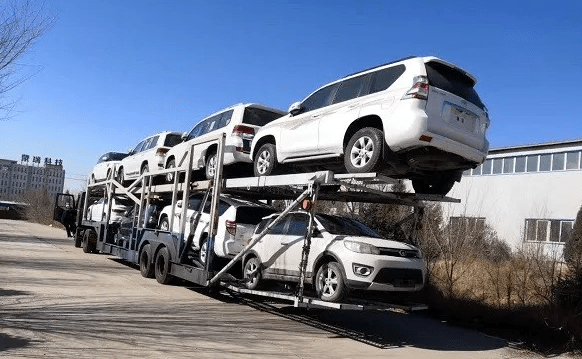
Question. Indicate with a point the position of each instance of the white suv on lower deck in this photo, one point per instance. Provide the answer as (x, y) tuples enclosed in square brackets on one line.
[(418, 118), (344, 255)]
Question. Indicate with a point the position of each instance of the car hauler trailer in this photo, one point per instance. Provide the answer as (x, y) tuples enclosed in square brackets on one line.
[(167, 254)]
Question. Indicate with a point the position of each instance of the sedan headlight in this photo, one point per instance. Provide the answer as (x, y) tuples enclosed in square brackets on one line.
[(360, 247)]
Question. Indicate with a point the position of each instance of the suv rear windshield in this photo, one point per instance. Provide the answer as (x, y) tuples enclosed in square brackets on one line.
[(259, 117), (172, 140), (453, 81), (252, 215)]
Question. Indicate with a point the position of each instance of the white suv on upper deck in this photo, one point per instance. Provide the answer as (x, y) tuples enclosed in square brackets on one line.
[(239, 122), (148, 155), (418, 118)]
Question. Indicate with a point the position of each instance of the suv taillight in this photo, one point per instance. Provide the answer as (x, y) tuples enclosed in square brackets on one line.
[(243, 131), (230, 227), (161, 151), (419, 90)]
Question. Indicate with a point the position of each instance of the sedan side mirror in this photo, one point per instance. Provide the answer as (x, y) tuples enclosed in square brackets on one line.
[(184, 136), (179, 204), (295, 108)]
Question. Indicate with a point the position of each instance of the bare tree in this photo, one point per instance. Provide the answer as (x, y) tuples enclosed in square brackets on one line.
[(22, 23)]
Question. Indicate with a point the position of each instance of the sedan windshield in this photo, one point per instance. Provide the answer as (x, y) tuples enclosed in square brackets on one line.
[(345, 226)]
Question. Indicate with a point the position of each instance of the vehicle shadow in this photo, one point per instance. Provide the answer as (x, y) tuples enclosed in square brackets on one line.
[(8, 342), (382, 329)]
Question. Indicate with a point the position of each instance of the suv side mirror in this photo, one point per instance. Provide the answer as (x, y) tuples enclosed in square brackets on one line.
[(184, 136), (317, 233), (179, 204), (295, 108)]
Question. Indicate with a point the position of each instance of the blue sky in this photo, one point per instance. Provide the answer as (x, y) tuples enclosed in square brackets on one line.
[(110, 73)]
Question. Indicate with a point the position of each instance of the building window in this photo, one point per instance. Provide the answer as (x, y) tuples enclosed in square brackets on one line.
[(572, 160), (487, 167), (532, 163), (558, 161), (477, 171), (508, 164), (548, 230), (545, 162), (497, 165)]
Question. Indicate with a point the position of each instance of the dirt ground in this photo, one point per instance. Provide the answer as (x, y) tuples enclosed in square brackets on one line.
[(58, 302)]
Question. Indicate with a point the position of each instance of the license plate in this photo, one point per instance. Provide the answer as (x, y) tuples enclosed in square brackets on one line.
[(404, 283), (462, 119)]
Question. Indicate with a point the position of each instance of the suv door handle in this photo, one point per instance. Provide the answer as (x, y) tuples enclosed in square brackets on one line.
[(354, 105), (316, 116)]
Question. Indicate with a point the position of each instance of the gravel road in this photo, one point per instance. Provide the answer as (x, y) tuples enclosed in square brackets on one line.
[(58, 302)]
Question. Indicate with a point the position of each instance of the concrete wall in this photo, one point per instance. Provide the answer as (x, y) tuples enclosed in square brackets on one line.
[(506, 200)]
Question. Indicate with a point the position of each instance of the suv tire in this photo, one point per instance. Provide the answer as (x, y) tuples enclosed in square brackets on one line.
[(210, 167), (362, 153), (266, 160), (252, 273), (330, 283)]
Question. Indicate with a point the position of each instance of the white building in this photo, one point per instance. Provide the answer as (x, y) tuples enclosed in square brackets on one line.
[(16, 179), (527, 194)]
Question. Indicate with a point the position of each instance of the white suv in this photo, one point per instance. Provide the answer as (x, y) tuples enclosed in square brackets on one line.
[(418, 118), (239, 122), (344, 255), (148, 155), (236, 223)]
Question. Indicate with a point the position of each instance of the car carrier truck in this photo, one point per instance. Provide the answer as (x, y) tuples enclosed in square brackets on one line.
[(166, 255)]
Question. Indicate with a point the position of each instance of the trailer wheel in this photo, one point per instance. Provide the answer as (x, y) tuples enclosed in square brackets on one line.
[(89, 239), (330, 283), (162, 266), (146, 267), (252, 273), (78, 239)]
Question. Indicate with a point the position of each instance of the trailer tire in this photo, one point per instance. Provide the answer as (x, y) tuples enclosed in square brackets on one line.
[(78, 239), (89, 241), (252, 273), (146, 267), (162, 266), (330, 283)]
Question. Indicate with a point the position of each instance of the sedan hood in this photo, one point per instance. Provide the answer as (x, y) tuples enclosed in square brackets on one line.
[(378, 242)]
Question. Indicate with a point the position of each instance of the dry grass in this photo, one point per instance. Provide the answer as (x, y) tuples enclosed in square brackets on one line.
[(515, 298)]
